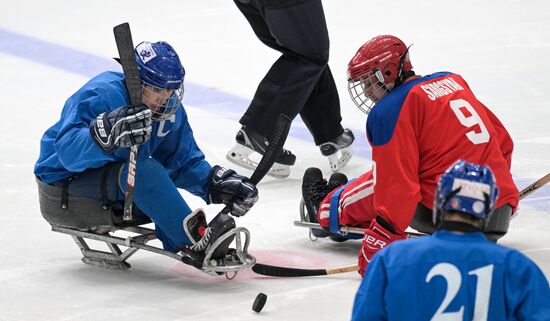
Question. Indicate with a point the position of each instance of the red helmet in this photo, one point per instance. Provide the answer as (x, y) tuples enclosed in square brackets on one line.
[(380, 63)]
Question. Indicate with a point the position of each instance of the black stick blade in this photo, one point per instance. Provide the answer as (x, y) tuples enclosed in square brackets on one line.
[(281, 271)]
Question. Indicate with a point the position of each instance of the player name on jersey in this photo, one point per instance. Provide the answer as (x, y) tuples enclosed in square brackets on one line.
[(441, 88)]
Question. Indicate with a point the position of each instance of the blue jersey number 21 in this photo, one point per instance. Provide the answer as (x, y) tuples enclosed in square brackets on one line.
[(452, 276)]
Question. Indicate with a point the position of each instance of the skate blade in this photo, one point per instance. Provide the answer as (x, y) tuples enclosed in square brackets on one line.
[(239, 155), (304, 218), (106, 263), (340, 159)]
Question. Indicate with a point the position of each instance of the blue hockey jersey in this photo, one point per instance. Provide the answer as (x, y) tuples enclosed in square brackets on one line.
[(453, 277), (67, 147)]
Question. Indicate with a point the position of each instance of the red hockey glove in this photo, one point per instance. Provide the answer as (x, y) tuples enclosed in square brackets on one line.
[(377, 236)]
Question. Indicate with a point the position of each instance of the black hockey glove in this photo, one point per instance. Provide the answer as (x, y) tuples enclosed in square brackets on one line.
[(123, 127), (226, 186)]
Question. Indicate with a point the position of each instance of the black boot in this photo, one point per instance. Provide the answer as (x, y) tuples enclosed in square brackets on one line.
[(338, 150), (203, 236), (224, 224), (259, 143), (336, 180), (249, 143), (340, 142), (314, 189)]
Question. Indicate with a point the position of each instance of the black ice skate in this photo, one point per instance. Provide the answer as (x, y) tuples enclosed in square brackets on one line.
[(248, 142), (338, 150), (210, 250), (314, 189)]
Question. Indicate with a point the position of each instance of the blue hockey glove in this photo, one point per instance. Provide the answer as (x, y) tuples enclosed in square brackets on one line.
[(226, 186), (123, 127)]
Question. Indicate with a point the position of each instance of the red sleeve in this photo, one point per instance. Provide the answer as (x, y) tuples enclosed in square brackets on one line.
[(396, 183)]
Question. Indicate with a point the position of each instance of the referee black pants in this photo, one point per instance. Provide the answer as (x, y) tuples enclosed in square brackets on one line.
[(300, 81)]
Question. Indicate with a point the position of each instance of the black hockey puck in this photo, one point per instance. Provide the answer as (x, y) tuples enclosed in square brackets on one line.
[(259, 303)]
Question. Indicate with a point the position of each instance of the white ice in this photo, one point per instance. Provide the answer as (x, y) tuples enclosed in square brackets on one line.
[(500, 47)]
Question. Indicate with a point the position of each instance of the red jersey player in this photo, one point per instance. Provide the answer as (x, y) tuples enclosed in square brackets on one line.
[(417, 126)]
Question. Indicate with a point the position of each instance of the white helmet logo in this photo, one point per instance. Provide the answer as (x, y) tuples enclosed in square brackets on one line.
[(146, 51)]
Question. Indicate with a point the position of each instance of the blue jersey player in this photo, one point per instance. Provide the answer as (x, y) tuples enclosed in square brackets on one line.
[(455, 274), (85, 153)]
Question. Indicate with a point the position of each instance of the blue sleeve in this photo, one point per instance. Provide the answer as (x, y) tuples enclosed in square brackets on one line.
[(527, 289), (74, 145), (181, 156), (369, 300), (382, 119)]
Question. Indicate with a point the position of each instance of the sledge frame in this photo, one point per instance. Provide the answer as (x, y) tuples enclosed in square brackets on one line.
[(117, 258)]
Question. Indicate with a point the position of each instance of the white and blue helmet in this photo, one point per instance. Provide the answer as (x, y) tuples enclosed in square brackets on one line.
[(466, 188)]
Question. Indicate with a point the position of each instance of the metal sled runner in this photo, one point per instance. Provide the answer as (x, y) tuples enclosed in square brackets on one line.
[(343, 232), (236, 260), (89, 219)]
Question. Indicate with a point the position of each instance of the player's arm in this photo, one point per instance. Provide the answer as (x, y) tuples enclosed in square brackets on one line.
[(180, 153), (527, 289), (369, 300), (182, 157), (397, 187), (396, 184), (74, 144)]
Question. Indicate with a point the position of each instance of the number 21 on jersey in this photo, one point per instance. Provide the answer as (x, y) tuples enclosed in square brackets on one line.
[(453, 277), (471, 120)]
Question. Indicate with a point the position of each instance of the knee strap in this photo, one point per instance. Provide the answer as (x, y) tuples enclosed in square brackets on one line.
[(65, 193), (334, 219), (103, 186)]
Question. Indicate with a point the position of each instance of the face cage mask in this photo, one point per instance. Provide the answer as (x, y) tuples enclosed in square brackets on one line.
[(162, 106), (374, 84)]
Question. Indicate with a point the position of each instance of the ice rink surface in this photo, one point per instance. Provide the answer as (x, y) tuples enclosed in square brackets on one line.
[(48, 49)]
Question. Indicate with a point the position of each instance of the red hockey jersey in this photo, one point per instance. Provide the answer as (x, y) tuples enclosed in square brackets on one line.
[(419, 130)]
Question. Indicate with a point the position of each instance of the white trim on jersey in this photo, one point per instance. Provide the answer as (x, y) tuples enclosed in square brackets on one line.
[(357, 193)]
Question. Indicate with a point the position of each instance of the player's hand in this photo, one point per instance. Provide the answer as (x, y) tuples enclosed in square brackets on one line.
[(376, 237), (226, 186), (123, 127)]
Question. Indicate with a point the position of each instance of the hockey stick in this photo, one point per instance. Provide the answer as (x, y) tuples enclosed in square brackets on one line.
[(271, 270), (280, 271), (125, 46), (533, 187), (357, 230), (276, 143), (344, 229)]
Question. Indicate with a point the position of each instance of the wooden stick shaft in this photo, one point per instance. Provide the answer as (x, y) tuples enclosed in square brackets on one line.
[(296, 272), (533, 187), (522, 194), (343, 269)]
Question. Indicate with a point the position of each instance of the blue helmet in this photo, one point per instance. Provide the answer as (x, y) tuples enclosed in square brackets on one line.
[(466, 188), (162, 76), (159, 65)]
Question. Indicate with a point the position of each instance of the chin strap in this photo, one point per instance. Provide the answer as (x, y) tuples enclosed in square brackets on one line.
[(402, 76), (406, 75)]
